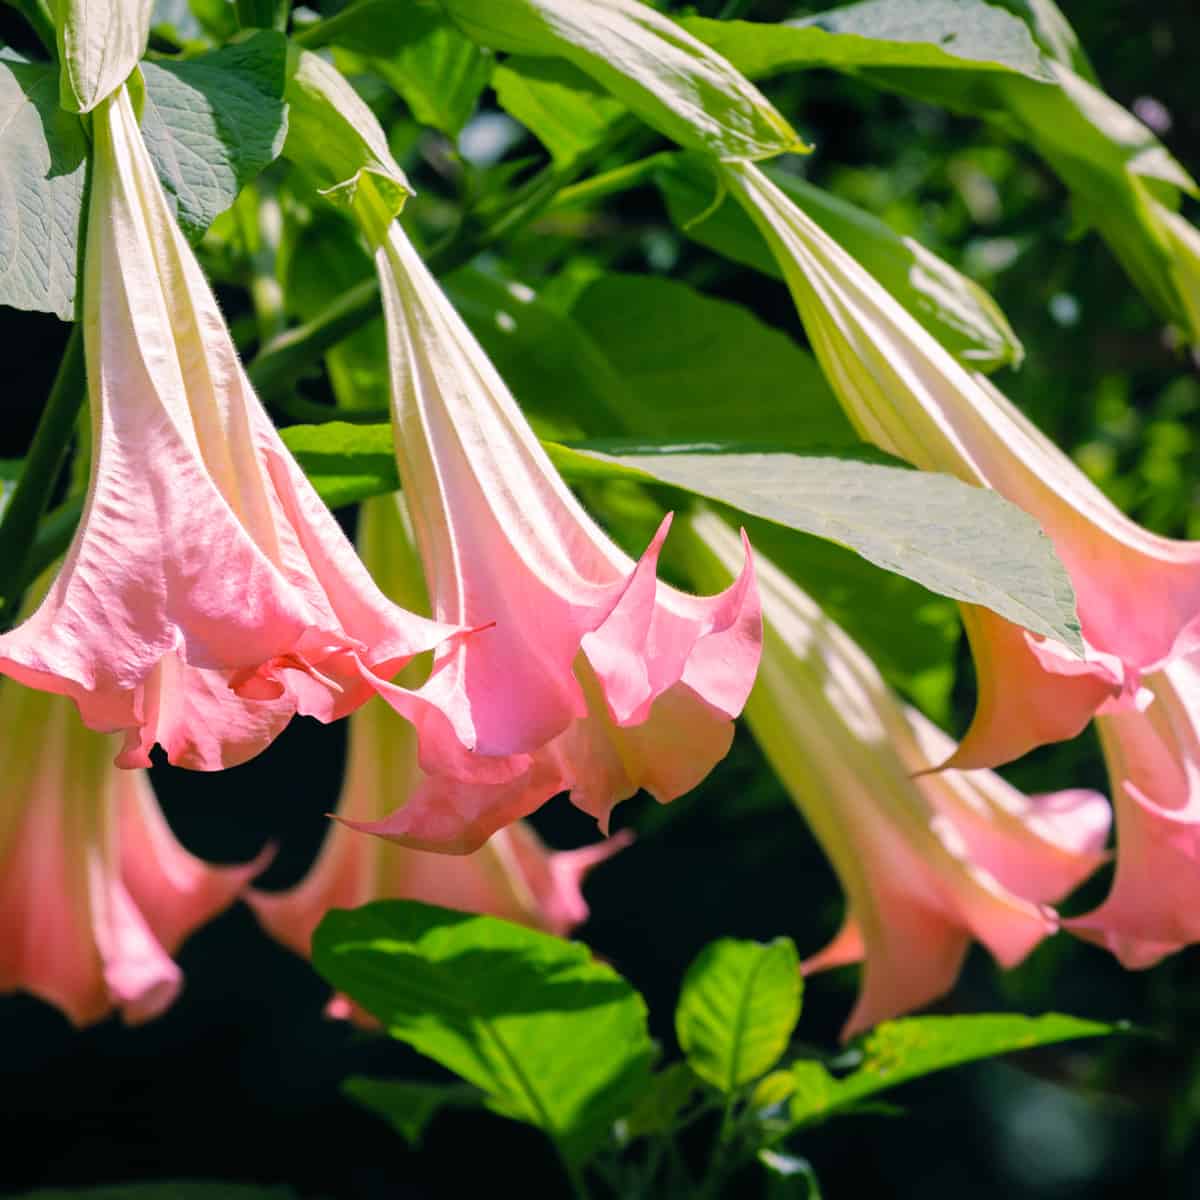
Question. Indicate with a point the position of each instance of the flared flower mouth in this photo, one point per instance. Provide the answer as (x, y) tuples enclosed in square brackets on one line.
[(208, 594), (589, 652)]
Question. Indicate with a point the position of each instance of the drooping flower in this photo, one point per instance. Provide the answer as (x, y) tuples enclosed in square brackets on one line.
[(1138, 594), (96, 894), (594, 668), (204, 561), (1154, 770), (512, 875), (928, 864)]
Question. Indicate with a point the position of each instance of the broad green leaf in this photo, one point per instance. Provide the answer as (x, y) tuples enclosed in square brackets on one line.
[(441, 73), (409, 1106), (566, 385), (42, 152), (959, 541), (550, 1036), (345, 463), (739, 1004), (955, 309), (176, 20), (898, 1051), (99, 44), (696, 368), (336, 139), (647, 61), (925, 34), (565, 109), (181, 1189), (213, 122), (773, 1089), (1053, 34)]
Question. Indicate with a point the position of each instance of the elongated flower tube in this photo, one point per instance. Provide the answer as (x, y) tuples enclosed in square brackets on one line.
[(96, 894), (1138, 594), (1154, 769), (512, 875), (204, 561), (592, 664), (928, 864)]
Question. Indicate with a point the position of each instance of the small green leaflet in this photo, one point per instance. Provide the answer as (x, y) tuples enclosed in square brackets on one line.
[(42, 151), (739, 1004), (409, 1106), (213, 122), (898, 1051), (550, 1036)]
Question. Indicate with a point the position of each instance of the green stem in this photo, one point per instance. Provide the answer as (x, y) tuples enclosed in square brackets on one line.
[(37, 13), (43, 466), (620, 179)]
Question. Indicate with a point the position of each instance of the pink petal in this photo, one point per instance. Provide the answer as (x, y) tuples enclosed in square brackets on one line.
[(1154, 764)]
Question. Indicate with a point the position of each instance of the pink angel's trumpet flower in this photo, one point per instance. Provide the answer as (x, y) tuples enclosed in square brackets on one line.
[(928, 864), (1138, 594), (204, 561), (1154, 766), (593, 664), (512, 875), (96, 894)]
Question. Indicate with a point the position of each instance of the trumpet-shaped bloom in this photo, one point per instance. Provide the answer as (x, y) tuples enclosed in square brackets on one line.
[(512, 875), (593, 668), (208, 594), (1138, 594), (96, 894), (929, 863), (1154, 768)]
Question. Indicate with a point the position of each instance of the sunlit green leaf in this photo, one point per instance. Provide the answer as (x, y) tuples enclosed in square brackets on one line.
[(738, 1006), (549, 1035), (898, 1051)]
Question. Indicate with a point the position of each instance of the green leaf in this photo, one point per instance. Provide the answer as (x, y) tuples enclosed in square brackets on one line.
[(566, 386), (440, 72), (181, 1189), (898, 1051), (550, 1036), (696, 368), (42, 152), (99, 44), (336, 138), (213, 122), (925, 34), (345, 463), (739, 1004), (955, 309), (10, 472), (959, 541), (647, 61), (658, 1107), (565, 109), (409, 1106)]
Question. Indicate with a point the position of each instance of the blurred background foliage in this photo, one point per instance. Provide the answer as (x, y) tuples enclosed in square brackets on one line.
[(241, 1079)]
